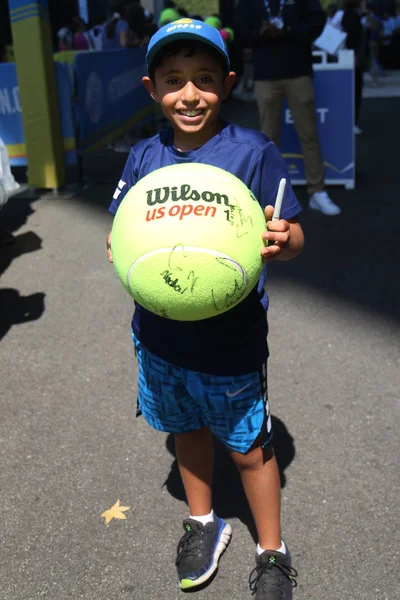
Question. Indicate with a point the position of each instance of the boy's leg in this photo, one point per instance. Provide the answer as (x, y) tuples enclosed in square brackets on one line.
[(239, 415), (206, 534), (273, 577), (195, 455), (260, 477), (166, 404)]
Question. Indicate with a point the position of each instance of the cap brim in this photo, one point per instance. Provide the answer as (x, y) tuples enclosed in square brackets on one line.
[(183, 35)]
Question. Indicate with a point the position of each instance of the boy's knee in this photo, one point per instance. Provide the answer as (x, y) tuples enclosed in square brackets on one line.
[(253, 459)]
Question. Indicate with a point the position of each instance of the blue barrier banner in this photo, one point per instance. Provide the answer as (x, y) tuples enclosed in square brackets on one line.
[(110, 95), (334, 100), (11, 127)]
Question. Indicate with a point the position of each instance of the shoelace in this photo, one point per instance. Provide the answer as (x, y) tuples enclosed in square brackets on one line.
[(188, 543), (258, 572)]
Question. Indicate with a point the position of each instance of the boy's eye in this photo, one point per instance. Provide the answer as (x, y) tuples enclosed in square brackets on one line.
[(173, 81), (205, 79)]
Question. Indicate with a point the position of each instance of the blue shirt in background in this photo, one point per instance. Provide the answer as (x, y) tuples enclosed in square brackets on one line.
[(234, 342), (113, 43)]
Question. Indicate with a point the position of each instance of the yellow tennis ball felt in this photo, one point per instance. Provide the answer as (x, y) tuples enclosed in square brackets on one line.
[(186, 241)]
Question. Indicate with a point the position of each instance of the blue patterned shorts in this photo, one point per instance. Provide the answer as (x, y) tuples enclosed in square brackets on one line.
[(177, 400)]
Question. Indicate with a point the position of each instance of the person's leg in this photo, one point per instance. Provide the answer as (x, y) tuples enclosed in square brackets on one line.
[(269, 102), (242, 421), (299, 92), (206, 535), (195, 456), (167, 405), (358, 85), (240, 417), (260, 477)]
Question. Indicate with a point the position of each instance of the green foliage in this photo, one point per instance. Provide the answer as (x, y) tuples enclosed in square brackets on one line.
[(205, 8)]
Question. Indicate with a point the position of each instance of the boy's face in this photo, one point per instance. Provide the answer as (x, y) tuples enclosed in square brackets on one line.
[(190, 90)]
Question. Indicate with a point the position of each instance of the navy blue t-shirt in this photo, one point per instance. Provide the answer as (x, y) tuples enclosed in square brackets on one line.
[(234, 342)]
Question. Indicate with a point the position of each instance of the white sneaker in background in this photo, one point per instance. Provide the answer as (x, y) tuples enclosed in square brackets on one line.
[(357, 130), (321, 201), (122, 148)]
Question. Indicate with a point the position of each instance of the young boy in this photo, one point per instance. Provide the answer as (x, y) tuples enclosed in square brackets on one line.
[(209, 377)]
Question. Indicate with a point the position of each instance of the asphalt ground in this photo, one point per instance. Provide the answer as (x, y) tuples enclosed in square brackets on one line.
[(70, 445)]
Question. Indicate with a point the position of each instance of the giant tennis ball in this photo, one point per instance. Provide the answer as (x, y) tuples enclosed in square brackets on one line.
[(186, 241)]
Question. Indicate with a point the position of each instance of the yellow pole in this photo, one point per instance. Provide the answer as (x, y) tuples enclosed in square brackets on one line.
[(38, 92)]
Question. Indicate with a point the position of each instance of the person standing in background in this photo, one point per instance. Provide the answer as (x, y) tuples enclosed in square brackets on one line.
[(138, 33), (80, 39), (96, 32), (281, 33), (351, 24), (373, 25), (116, 31)]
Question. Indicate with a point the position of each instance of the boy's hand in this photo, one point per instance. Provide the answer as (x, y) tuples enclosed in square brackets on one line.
[(109, 247), (277, 236)]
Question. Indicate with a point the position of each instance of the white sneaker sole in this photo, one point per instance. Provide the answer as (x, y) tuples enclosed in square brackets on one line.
[(315, 206), (221, 547)]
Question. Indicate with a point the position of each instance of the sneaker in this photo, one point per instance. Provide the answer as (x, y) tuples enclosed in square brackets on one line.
[(273, 577), (321, 201), (122, 148), (199, 550)]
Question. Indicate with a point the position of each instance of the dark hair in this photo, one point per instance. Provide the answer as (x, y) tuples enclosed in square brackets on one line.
[(136, 19), (350, 5), (77, 24), (111, 27), (99, 19), (116, 6), (189, 48)]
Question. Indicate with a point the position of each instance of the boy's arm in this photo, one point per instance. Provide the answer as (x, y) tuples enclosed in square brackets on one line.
[(285, 238)]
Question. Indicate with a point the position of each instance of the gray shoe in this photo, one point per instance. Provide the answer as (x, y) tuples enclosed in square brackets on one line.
[(199, 550), (273, 577)]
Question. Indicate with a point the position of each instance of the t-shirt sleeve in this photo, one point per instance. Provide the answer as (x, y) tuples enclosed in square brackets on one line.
[(269, 169), (128, 179)]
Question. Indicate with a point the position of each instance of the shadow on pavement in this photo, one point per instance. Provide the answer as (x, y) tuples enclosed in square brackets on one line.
[(14, 308), (21, 244), (229, 497)]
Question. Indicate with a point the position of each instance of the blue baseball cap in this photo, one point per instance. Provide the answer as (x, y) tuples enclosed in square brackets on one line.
[(186, 29)]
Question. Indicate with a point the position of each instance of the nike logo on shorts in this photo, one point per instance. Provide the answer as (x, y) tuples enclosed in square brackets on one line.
[(233, 394)]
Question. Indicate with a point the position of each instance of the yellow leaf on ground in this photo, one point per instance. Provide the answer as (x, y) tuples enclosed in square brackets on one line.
[(115, 512)]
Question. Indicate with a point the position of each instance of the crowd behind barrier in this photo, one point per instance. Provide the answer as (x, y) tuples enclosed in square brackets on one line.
[(106, 99), (100, 98)]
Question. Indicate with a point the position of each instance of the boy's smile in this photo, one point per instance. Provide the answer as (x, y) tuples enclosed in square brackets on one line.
[(190, 90)]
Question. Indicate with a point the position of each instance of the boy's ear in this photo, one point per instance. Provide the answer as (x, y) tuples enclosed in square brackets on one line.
[(150, 87), (228, 83)]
